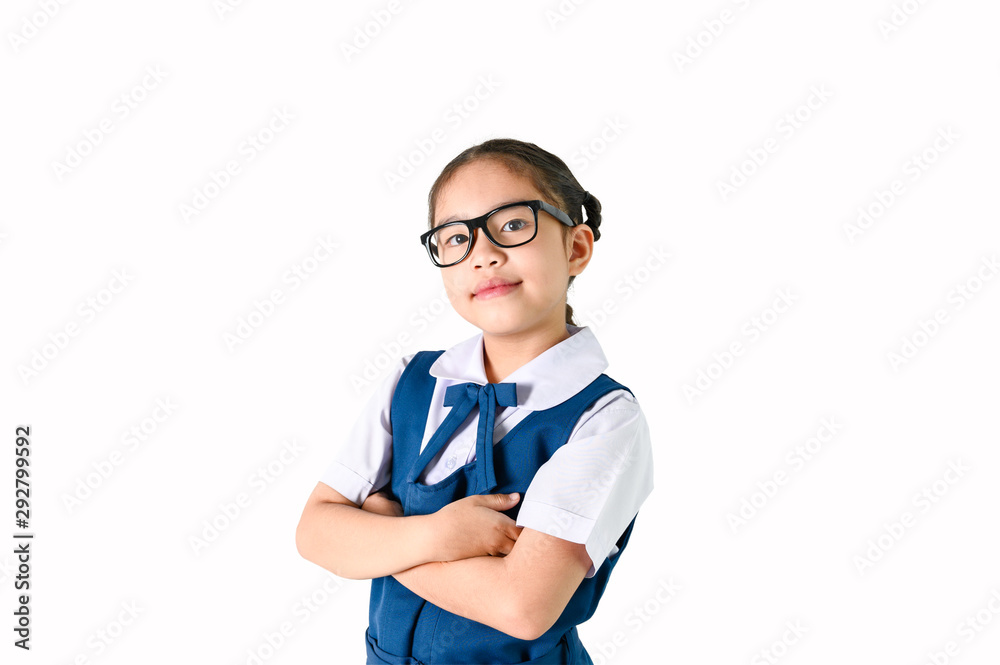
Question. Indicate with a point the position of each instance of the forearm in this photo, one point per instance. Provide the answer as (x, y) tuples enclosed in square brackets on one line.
[(357, 544), (522, 594), (478, 588)]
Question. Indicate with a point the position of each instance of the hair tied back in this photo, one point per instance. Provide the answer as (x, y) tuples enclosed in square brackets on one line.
[(593, 208)]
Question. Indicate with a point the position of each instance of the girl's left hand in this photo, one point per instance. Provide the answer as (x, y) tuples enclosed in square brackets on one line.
[(380, 504)]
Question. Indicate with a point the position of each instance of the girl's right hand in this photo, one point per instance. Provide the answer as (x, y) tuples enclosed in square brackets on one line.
[(474, 526)]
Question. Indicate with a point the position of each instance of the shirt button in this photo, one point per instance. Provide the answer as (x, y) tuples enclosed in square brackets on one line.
[(450, 463)]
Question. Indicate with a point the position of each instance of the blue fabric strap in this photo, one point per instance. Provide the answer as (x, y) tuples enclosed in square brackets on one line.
[(462, 398), (504, 394)]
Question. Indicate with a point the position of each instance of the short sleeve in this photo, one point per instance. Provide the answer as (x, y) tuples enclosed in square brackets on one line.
[(363, 462), (593, 486)]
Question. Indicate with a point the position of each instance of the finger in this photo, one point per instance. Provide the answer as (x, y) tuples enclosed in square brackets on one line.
[(502, 501)]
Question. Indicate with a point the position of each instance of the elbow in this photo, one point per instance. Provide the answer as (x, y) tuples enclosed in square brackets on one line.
[(529, 612), (526, 628), (526, 632), (310, 549), (530, 623), (303, 541)]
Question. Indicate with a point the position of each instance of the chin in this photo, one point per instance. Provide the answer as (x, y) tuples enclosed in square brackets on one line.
[(499, 323)]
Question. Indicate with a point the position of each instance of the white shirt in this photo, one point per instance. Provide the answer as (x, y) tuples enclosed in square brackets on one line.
[(586, 493)]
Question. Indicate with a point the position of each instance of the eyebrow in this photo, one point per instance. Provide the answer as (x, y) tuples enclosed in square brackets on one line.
[(455, 218)]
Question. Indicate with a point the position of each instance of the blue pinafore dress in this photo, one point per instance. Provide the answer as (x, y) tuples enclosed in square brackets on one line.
[(405, 629)]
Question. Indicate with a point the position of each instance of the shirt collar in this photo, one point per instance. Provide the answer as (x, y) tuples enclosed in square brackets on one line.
[(549, 379)]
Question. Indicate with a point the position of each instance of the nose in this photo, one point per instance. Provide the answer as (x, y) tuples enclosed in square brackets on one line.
[(484, 252)]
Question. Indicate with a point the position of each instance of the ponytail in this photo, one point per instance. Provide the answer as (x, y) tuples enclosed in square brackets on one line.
[(592, 206)]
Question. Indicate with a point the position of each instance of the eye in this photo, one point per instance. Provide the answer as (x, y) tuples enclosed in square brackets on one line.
[(514, 225), (456, 240)]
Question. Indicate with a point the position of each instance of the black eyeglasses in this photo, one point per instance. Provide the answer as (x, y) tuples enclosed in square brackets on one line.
[(509, 225)]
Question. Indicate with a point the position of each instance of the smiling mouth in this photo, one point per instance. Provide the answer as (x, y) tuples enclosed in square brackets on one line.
[(496, 291)]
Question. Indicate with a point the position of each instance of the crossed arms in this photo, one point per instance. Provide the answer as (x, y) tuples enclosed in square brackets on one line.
[(468, 558)]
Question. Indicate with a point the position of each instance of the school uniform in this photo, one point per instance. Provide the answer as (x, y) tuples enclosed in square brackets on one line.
[(570, 439)]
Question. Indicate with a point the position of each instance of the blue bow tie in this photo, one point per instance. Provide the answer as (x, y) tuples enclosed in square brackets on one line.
[(462, 398)]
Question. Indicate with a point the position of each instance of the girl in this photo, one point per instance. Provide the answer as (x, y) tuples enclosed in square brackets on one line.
[(489, 490)]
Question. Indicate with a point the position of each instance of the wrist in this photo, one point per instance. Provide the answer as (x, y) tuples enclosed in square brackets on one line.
[(423, 536)]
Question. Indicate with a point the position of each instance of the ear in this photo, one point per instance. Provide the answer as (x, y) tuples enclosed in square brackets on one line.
[(580, 248)]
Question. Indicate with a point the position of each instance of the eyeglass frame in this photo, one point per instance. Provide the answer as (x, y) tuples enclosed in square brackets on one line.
[(480, 223)]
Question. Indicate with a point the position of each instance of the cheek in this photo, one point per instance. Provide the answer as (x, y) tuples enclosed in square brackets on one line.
[(552, 265), (450, 290)]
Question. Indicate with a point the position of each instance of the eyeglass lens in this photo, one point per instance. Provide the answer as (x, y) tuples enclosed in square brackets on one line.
[(508, 227)]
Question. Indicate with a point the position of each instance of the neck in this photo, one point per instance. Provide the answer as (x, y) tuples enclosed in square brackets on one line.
[(503, 354)]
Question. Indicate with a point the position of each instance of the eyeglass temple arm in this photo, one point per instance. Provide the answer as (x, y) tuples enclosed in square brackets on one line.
[(557, 213)]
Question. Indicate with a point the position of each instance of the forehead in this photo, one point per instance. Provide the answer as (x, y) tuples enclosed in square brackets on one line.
[(478, 187)]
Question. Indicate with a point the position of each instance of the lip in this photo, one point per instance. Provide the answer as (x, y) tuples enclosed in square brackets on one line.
[(491, 288)]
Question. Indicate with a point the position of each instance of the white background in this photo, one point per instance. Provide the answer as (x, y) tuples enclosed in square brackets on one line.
[(662, 135)]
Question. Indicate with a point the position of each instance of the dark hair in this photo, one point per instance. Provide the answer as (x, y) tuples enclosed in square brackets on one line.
[(548, 174)]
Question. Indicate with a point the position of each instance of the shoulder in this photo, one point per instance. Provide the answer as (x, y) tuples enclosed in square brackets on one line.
[(615, 408), (397, 368), (409, 373), (414, 361), (387, 382)]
